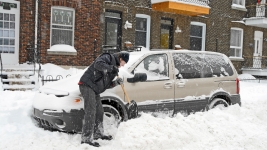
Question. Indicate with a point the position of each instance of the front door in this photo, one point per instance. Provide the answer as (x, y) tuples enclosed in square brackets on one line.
[(9, 31), (257, 56), (166, 34), (113, 29)]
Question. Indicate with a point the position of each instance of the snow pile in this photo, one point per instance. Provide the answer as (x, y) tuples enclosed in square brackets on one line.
[(235, 127), (58, 72), (246, 77)]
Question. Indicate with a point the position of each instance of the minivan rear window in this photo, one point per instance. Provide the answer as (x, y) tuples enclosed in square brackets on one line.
[(200, 65)]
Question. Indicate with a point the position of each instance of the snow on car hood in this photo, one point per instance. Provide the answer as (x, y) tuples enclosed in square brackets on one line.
[(69, 85), (66, 86)]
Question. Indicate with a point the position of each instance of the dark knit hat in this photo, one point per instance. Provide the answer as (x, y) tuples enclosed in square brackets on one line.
[(124, 56)]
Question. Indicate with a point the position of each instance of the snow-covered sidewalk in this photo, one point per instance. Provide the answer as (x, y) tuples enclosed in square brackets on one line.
[(235, 128)]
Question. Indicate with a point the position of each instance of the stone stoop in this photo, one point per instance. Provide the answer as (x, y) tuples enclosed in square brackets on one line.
[(20, 78)]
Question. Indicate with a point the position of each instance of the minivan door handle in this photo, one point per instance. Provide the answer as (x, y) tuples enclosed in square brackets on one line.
[(180, 84), (168, 85)]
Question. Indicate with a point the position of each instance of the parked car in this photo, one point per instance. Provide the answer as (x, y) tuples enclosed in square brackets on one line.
[(176, 81)]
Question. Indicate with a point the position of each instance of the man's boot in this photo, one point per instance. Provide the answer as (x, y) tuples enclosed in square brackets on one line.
[(95, 144)]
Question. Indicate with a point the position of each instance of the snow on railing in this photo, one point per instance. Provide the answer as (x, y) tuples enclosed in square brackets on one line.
[(255, 62), (258, 11), (199, 2)]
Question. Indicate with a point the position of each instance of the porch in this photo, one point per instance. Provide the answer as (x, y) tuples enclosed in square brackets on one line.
[(256, 15), (255, 65)]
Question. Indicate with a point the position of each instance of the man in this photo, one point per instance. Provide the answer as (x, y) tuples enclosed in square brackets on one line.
[(96, 79)]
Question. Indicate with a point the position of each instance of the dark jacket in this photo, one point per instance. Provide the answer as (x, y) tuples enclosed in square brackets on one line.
[(99, 74)]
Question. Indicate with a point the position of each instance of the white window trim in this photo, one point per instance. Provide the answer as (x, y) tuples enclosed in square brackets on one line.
[(203, 33), (242, 34), (239, 7), (64, 8), (148, 28)]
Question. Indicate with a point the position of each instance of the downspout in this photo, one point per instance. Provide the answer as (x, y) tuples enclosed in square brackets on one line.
[(36, 25)]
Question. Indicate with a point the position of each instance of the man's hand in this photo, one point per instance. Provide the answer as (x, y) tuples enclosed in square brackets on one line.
[(119, 81), (115, 70)]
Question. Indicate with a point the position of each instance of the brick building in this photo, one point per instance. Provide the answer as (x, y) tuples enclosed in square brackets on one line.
[(71, 22), (126, 22), (233, 27)]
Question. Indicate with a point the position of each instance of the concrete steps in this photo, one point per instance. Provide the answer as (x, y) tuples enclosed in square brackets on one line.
[(19, 78)]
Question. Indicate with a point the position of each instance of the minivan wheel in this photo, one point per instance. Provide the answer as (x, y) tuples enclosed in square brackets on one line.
[(112, 115), (218, 103)]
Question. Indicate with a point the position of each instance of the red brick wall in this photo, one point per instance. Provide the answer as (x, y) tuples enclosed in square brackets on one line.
[(87, 29), (26, 28)]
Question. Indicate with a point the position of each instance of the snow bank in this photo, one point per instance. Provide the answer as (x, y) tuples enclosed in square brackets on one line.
[(235, 127)]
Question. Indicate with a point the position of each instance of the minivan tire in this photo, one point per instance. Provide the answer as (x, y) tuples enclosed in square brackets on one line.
[(113, 114), (218, 103)]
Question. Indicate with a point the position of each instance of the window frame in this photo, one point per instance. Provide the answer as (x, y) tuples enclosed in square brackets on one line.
[(148, 18), (238, 6), (118, 21), (203, 33), (146, 57), (241, 42), (51, 23)]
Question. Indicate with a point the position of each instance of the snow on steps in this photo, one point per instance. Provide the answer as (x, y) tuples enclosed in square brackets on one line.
[(18, 87), (19, 77)]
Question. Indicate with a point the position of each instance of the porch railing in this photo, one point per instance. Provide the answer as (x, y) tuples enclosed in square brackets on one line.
[(257, 11), (34, 58), (1, 68), (255, 62)]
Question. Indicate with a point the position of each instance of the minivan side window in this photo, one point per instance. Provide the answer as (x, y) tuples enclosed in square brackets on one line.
[(198, 65), (155, 66)]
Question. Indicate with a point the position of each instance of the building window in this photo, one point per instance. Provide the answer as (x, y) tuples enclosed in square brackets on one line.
[(166, 33), (62, 25), (197, 36), (142, 30), (236, 42), (7, 33), (239, 2), (113, 30)]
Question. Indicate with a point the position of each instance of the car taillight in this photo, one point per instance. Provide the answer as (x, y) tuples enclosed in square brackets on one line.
[(237, 86)]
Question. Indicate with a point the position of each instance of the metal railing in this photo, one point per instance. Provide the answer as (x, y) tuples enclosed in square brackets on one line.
[(257, 10), (34, 58), (199, 2), (255, 62), (50, 78), (1, 68), (110, 48)]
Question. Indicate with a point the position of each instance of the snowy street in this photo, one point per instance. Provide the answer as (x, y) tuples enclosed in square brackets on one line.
[(235, 128)]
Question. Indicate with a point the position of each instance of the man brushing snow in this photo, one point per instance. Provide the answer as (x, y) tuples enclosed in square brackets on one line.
[(96, 79)]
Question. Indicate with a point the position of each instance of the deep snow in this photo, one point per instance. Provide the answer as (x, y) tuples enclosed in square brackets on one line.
[(236, 127)]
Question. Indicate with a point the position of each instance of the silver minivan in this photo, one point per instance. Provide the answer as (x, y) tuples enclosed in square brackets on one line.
[(173, 81)]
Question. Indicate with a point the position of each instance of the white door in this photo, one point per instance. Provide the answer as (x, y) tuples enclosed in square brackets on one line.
[(257, 56), (260, 9), (9, 31)]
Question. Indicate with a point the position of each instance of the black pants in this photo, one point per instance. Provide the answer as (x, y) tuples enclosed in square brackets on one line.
[(93, 117)]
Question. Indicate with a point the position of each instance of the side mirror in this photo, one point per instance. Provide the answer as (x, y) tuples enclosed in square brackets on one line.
[(138, 77)]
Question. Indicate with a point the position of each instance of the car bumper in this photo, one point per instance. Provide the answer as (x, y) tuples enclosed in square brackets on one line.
[(235, 99), (60, 120)]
